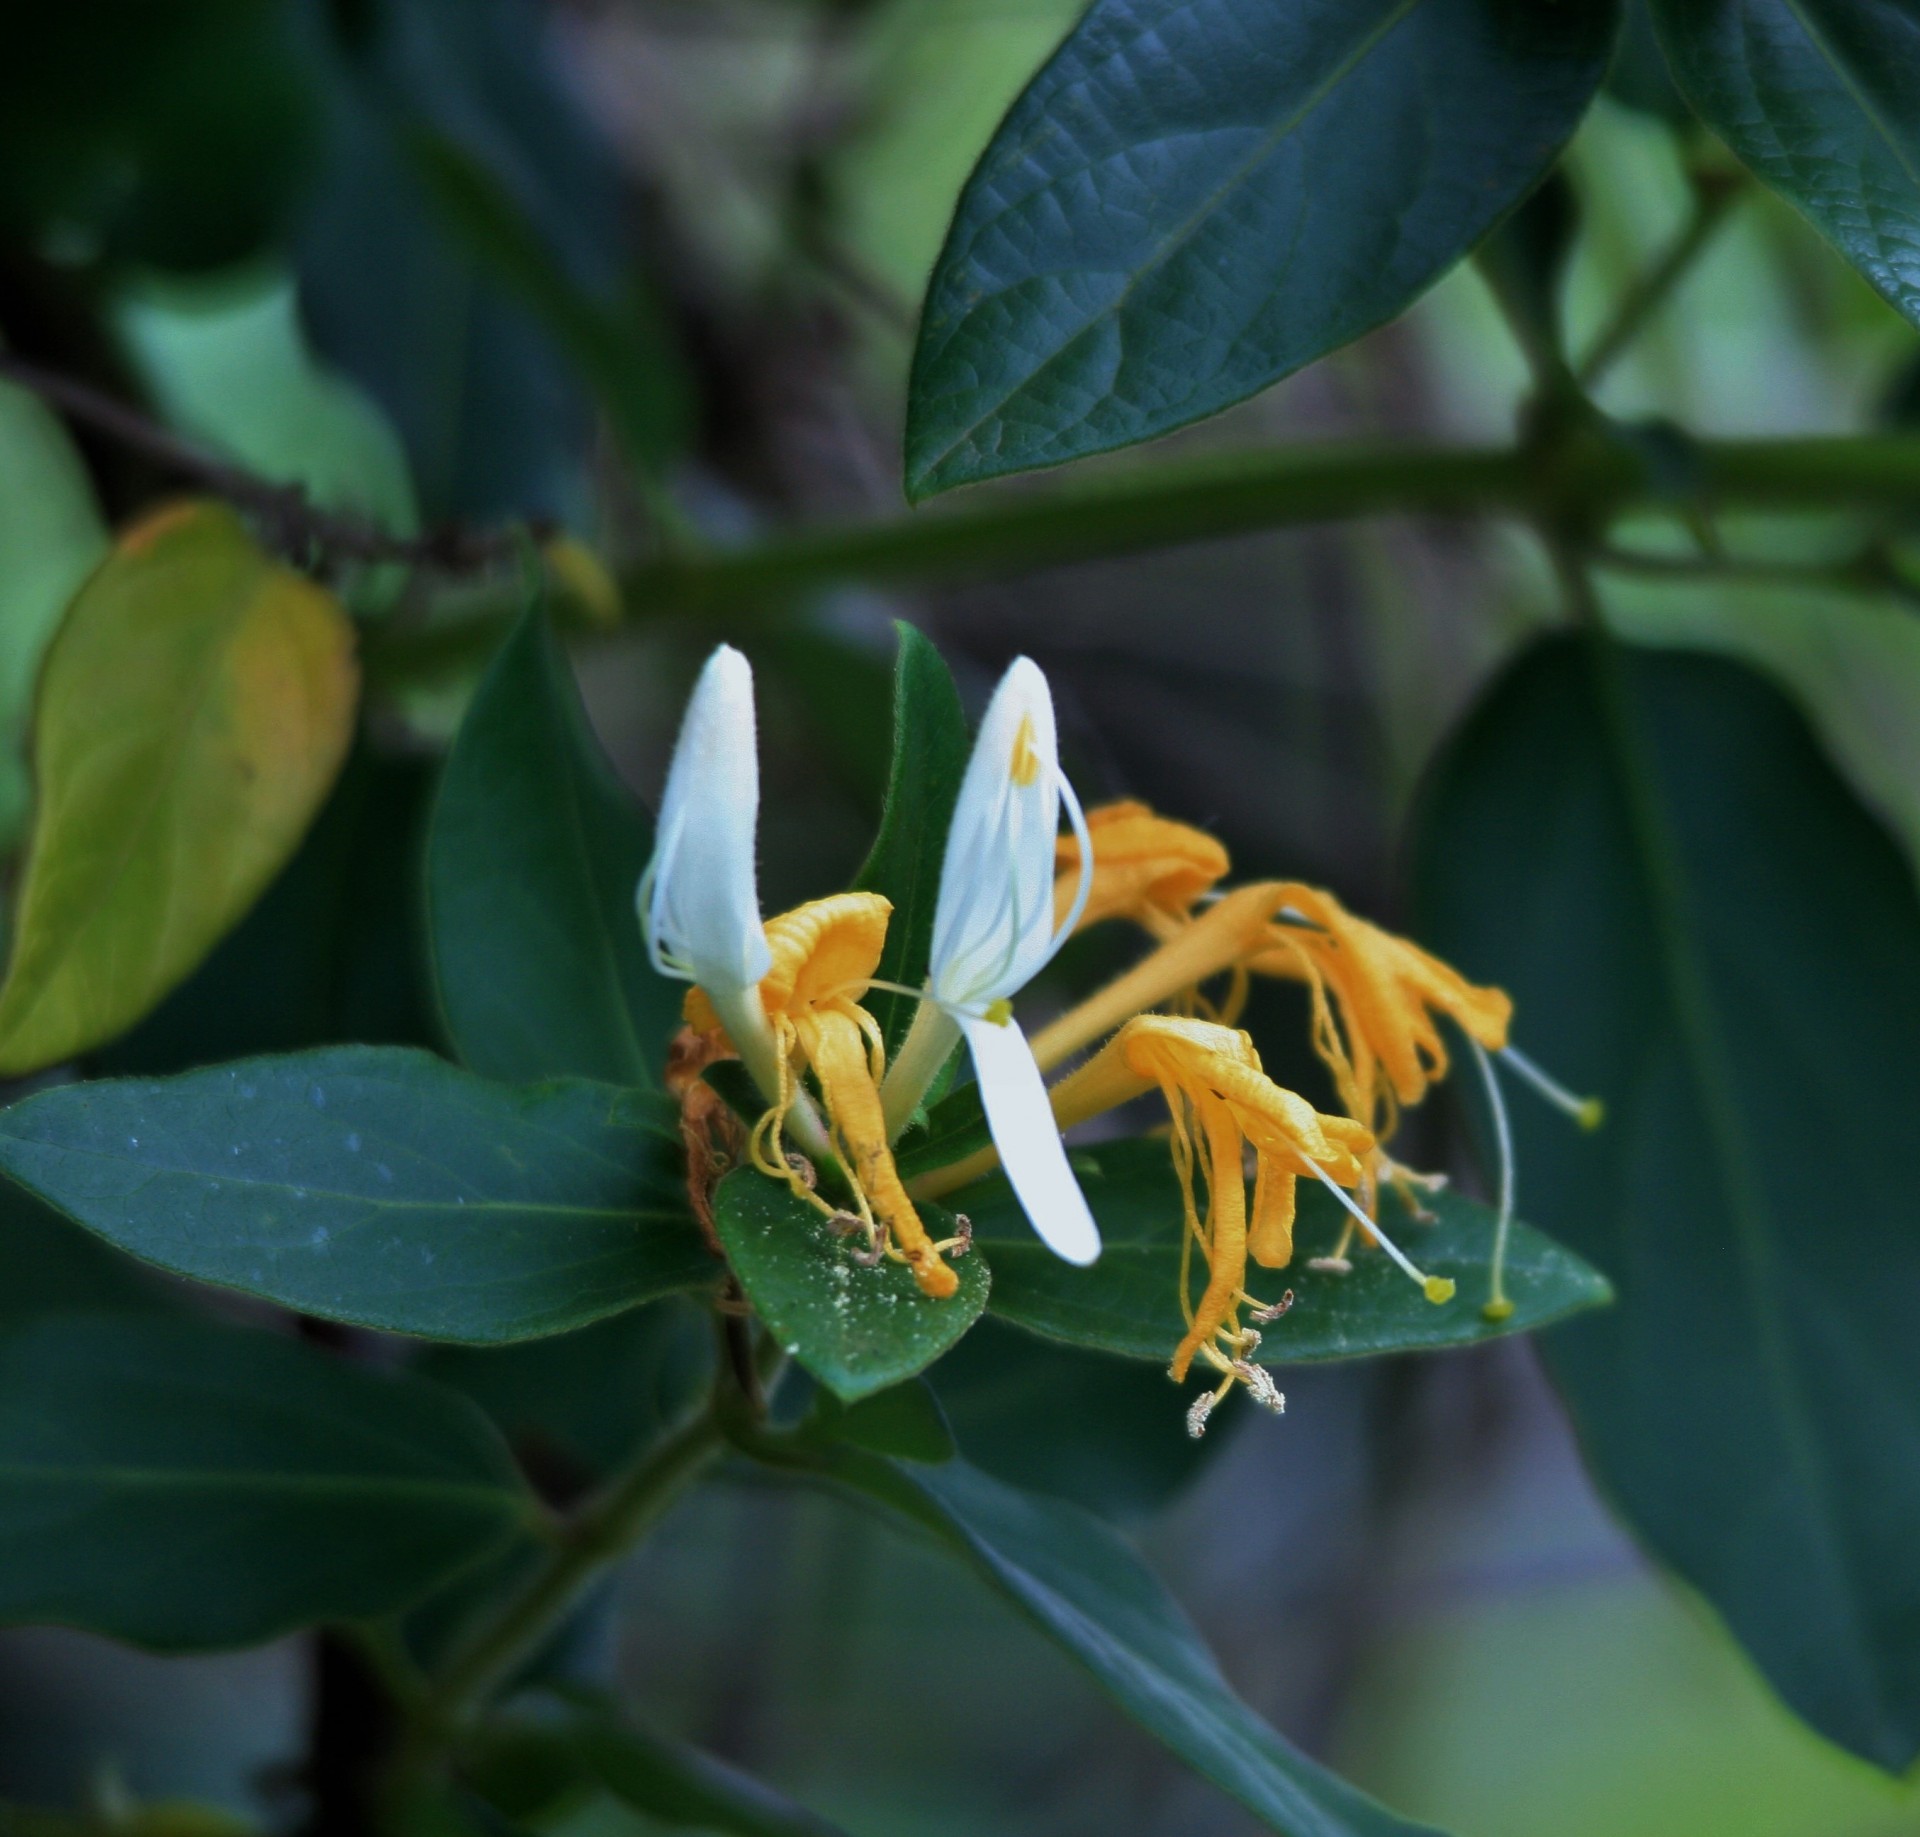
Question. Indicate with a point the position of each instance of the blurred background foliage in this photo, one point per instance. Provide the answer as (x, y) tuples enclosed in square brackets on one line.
[(631, 268)]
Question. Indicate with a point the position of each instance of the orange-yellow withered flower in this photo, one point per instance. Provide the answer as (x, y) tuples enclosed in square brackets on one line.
[(1376, 997)]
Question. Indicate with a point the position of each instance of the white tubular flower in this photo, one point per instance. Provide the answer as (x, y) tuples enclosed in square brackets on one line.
[(993, 931), (699, 899)]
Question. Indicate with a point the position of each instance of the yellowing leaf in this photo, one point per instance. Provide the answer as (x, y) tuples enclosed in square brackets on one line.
[(195, 706)]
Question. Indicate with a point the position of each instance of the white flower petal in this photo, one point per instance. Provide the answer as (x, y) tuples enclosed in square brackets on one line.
[(1031, 1151), (993, 928), (699, 900)]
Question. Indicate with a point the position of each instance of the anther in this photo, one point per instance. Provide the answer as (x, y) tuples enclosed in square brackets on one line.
[(1272, 1312), (1260, 1386), (1198, 1411), (803, 1170), (1331, 1266)]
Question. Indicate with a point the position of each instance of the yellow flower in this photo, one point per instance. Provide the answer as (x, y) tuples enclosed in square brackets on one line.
[(1387, 1048), (824, 956), (1222, 1105), (1145, 868)]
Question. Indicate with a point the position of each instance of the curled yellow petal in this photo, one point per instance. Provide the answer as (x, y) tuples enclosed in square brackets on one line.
[(1145, 867)]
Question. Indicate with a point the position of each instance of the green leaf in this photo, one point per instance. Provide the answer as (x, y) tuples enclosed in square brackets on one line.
[(1108, 1433), (622, 348), (376, 1185), (590, 1399), (186, 1486), (1700, 924), (686, 1789), (1128, 1302), (535, 852), (856, 1329), (1086, 1590), (532, 1768), (194, 709), (930, 750), (1191, 201), (51, 537), (905, 1422), (955, 1127), (333, 952), (54, 1267), (1822, 99)]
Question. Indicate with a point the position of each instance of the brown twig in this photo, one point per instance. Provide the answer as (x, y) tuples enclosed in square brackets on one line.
[(290, 521)]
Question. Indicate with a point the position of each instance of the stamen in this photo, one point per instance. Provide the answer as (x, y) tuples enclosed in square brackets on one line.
[(1588, 1112), (1199, 1410), (1498, 1307), (1438, 1289), (1260, 1386), (1266, 1314), (1077, 821)]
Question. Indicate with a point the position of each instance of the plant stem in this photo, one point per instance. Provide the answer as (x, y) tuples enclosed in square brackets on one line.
[(1713, 196), (1188, 500), (607, 1527)]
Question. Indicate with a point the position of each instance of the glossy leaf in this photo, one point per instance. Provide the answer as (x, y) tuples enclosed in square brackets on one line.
[(535, 853), (376, 1185), (1108, 1433), (1086, 1590), (1191, 201), (856, 1329), (195, 707), (1819, 98), (1128, 1302), (51, 538), (185, 1486), (930, 750), (1698, 922)]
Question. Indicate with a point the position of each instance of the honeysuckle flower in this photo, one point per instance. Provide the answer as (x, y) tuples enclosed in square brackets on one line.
[(1145, 868), (699, 898), (1223, 1104), (994, 928), (821, 961)]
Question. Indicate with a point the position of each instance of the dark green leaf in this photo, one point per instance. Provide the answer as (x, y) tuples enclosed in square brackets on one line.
[(334, 952), (376, 1185), (174, 136), (494, 423), (955, 1127), (1698, 922), (182, 1485), (591, 1399), (531, 1767), (1639, 76), (1108, 1433), (905, 1422), (686, 1789), (1087, 1591), (1128, 1302), (54, 1267), (1191, 201), (1822, 99), (930, 749), (856, 1329), (535, 853), (621, 347)]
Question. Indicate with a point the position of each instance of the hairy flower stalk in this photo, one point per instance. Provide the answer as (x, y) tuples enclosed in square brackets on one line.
[(995, 927)]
